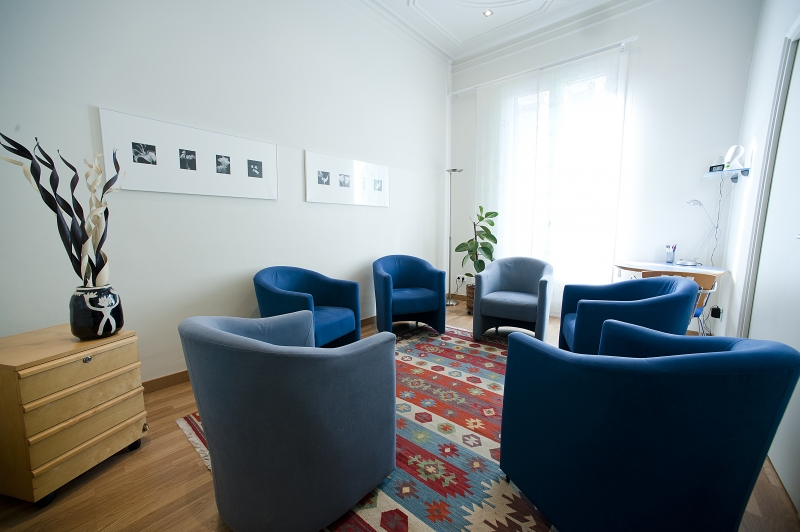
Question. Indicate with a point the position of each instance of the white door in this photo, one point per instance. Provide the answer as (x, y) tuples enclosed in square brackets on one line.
[(777, 296)]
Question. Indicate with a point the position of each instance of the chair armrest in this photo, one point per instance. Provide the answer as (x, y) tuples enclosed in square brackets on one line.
[(543, 307), (434, 279), (337, 293), (383, 297), (273, 301), (487, 281), (633, 341), (654, 313), (294, 330)]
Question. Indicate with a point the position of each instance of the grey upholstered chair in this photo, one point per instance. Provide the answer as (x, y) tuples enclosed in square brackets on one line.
[(297, 435), (513, 292)]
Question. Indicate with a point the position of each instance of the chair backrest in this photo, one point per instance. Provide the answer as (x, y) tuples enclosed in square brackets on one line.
[(288, 278), (405, 270), (520, 274), (705, 281)]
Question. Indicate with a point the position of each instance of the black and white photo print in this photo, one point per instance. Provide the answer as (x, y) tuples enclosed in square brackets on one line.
[(254, 168), (344, 180), (223, 164), (143, 153), (378, 185), (188, 160), (323, 178)]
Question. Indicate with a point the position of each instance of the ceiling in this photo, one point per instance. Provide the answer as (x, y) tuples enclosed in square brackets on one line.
[(457, 29)]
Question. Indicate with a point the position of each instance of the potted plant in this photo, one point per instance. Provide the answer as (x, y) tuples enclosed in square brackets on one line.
[(95, 310), (478, 248)]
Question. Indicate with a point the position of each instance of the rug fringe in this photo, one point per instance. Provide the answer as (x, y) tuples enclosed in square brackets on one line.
[(195, 441)]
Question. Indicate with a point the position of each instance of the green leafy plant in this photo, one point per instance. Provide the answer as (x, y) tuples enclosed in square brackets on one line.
[(480, 245)]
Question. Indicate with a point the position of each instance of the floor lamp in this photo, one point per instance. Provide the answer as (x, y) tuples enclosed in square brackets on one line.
[(450, 301)]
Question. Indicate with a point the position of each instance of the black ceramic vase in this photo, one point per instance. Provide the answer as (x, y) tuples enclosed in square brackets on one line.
[(95, 312)]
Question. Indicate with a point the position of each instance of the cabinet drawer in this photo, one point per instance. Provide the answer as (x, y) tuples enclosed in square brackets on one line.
[(53, 409), (56, 441), (69, 465), (38, 381)]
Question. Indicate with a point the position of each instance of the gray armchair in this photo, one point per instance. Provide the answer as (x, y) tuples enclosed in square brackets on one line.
[(297, 435), (513, 292)]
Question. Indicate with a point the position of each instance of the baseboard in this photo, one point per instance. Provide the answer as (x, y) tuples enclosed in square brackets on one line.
[(166, 381), (366, 322), (458, 297)]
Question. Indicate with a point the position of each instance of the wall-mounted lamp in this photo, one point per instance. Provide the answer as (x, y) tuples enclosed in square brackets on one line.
[(731, 166)]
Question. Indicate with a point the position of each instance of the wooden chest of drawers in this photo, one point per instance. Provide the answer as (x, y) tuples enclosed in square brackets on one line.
[(65, 406)]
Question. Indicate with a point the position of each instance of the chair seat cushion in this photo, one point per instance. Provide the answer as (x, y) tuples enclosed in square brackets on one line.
[(568, 328), (413, 300), (332, 322), (510, 305)]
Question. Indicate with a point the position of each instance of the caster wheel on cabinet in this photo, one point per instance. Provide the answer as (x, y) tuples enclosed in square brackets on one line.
[(135, 445)]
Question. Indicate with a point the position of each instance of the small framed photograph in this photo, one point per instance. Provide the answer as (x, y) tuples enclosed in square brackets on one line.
[(254, 168), (323, 178), (344, 180), (378, 183), (143, 153), (223, 164), (188, 160)]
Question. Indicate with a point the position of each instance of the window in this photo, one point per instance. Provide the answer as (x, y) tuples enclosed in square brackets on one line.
[(549, 149)]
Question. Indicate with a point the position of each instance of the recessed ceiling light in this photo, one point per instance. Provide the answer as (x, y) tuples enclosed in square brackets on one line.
[(488, 13)]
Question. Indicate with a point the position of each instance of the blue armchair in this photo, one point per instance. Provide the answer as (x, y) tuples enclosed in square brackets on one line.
[(663, 304), (335, 303), (513, 292), (297, 435), (408, 289), (658, 433)]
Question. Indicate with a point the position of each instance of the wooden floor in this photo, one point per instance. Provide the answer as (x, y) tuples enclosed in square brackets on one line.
[(165, 486)]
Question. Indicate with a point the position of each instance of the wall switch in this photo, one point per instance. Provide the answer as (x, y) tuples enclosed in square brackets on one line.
[(716, 312)]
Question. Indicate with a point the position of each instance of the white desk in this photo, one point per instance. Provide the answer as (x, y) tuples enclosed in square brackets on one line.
[(643, 266)]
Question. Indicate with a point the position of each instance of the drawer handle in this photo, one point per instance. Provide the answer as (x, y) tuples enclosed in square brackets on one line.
[(88, 359), (145, 427)]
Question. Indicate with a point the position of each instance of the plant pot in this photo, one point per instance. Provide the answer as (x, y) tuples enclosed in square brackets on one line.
[(95, 312), (470, 297)]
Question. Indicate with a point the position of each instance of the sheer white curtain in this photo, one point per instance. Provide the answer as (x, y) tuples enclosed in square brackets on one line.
[(549, 147)]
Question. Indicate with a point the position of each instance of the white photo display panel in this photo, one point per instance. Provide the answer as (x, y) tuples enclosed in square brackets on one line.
[(336, 180), (162, 157)]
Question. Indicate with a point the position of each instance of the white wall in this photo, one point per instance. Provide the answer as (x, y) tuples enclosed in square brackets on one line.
[(776, 18), (686, 89), (316, 75)]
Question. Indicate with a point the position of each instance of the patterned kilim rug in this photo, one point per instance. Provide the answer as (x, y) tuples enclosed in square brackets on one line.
[(449, 400)]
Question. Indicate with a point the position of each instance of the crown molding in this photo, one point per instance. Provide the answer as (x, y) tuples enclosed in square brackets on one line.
[(579, 18), (418, 9), (387, 18), (551, 34)]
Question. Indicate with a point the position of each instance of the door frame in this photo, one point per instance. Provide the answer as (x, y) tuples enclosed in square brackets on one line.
[(788, 55)]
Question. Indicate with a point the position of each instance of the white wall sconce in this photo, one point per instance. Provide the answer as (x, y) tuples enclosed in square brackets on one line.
[(730, 167)]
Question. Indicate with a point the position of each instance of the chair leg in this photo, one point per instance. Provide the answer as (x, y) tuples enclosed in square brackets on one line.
[(497, 330)]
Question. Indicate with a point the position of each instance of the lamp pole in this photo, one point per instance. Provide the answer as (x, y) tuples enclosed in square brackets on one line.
[(450, 301)]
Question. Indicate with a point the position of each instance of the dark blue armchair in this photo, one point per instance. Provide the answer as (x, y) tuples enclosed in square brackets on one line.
[(296, 435), (658, 432), (663, 304), (408, 289), (335, 303)]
